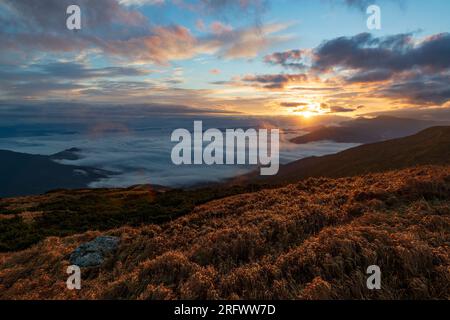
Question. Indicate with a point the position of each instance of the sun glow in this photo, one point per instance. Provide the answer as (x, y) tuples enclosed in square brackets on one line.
[(308, 111), (306, 114)]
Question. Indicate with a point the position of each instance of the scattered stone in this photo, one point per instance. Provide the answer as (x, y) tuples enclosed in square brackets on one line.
[(93, 253)]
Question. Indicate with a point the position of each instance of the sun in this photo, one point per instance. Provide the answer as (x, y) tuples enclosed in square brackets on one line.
[(306, 114), (309, 111)]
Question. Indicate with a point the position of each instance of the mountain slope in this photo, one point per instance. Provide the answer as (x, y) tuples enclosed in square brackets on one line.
[(431, 146), (363, 130), (309, 240)]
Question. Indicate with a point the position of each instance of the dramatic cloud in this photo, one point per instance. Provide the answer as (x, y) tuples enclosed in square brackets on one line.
[(418, 71), (405, 68), (364, 53), (121, 31)]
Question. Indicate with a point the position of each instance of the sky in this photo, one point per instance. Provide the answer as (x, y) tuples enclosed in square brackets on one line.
[(255, 57)]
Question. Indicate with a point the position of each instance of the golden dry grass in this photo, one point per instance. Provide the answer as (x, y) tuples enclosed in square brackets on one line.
[(309, 240)]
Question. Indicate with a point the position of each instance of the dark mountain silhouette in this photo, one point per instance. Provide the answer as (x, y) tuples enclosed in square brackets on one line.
[(365, 130), (69, 154), (24, 174), (429, 147)]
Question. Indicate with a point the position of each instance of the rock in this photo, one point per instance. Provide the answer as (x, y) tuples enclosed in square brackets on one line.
[(93, 253)]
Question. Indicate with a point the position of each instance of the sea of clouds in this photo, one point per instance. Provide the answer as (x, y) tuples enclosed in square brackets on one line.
[(139, 149)]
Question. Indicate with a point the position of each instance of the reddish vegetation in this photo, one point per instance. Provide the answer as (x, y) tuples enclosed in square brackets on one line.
[(310, 240)]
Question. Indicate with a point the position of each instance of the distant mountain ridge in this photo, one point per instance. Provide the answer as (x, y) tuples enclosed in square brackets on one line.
[(24, 174), (429, 147), (367, 130)]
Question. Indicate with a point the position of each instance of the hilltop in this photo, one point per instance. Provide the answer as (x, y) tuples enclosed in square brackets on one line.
[(310, 240), (367, 130), (430, 146)]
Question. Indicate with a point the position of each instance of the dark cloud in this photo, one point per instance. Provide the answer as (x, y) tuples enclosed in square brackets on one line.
[(373, 58), (364, 53), (371, 76), (66, 71), (275, 81), (288, 59), (293, 104), (421, 89), (324, 89), (340, 109)]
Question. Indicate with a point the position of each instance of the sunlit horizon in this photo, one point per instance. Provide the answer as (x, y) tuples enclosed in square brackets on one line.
[(259, 57)]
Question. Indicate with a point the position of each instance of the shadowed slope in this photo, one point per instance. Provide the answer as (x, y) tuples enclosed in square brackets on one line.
[(431, 146), (24, 174)]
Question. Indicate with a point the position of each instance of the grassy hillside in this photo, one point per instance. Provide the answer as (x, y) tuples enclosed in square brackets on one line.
[(26, 220), (310, 240), (431, 146)]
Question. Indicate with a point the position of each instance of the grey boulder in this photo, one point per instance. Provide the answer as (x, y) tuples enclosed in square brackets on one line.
[(93, 253)]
